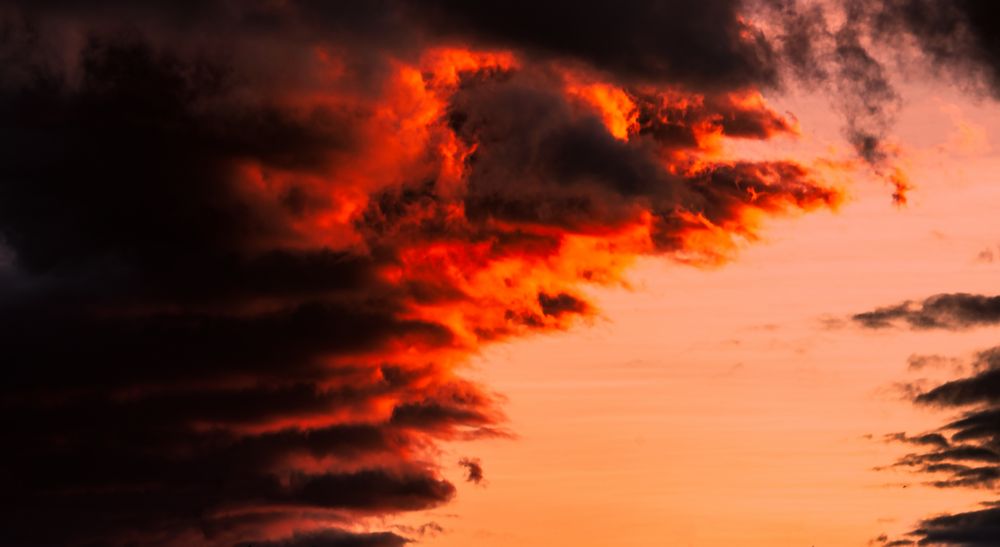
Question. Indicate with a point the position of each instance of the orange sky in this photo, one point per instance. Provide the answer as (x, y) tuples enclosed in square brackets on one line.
[(731, 406)]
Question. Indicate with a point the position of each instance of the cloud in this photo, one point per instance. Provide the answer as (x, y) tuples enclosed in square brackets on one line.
[(935, 439), (829, 47), (334, 538), (473, 468), (983, 387), (973, 529), (883, 540), (870, 101), (951, 311), (957, 36), (835, 45), (561, 303), (705, 44), (963, 453), (425, 530), (921, 362)]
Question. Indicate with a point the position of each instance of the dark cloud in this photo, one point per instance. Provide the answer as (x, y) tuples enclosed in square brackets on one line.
[(473, 469), (372, 490), (921, 362), (959, 36), (869, 101), (169, 354), (836, 48), (708, 44), (428, 529), (935, 439), (827, 47), (541, 162), (560, 303), (956, 38), (883, 540), (804, 39), (943, 311), (983, 387), (964, 453), (334, 538), (703, 44), (972, 529)]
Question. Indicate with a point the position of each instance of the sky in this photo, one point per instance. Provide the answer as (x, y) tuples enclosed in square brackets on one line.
[(287, 273)]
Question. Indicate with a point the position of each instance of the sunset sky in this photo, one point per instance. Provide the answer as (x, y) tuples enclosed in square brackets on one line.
[(293, 273)]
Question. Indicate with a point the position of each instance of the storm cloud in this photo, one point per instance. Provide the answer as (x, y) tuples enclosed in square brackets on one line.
[(245, 246)]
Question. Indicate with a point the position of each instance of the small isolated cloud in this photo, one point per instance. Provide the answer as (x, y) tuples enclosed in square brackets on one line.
[(473, 470)]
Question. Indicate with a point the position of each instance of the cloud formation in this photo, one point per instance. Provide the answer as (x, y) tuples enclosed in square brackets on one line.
[(952, 311), (247, 247), (963, 453), (979, 528), (473, 469)]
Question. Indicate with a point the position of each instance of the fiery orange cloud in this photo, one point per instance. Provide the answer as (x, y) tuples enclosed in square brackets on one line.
[(494, 277), (495, 269), (901, 185), (618, 111)]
